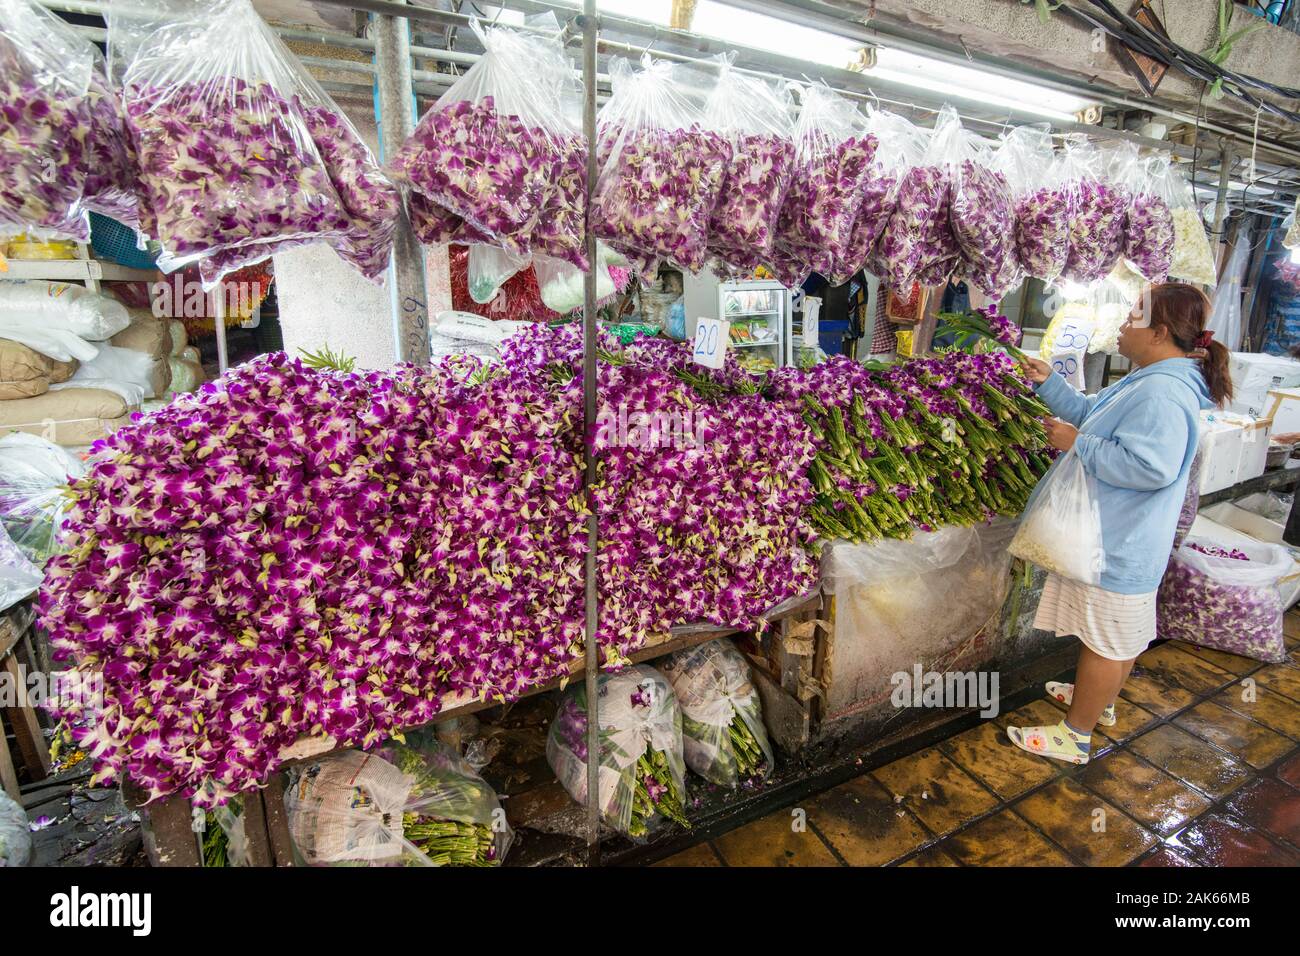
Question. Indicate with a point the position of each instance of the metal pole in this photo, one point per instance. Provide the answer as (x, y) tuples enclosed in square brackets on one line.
[(589, 29), (396, 121)]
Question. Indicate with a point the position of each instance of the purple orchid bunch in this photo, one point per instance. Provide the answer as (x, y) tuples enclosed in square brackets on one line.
[(43, 163), (917, 243), (293, 552), (228, 168), (658, 190), (983, 225), (742, 229), (951, 439), (815, 228), (1042, 232), (1149, 236), (1003, 329), (518, 186), (1098, 212)]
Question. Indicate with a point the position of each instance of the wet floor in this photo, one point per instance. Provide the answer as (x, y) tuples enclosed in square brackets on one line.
[(1202, 769)]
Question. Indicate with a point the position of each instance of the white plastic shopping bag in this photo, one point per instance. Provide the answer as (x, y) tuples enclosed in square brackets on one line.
[(1060, 530)]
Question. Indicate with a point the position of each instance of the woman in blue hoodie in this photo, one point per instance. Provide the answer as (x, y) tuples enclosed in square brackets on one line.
[(1136, 439)]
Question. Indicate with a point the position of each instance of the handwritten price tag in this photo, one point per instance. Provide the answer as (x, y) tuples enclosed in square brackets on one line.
[(711, 337)]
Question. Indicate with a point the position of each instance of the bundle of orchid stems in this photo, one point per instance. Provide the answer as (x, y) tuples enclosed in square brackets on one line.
[(952, 439), (656, 792)]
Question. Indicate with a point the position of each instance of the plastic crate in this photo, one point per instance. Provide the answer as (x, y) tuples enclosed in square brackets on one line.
[(111, 240)]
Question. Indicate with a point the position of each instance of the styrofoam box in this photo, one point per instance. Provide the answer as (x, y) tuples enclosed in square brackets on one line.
[(1220, 446), (1254, 443), (1230, 525), (1254, 375), (1283, 407)]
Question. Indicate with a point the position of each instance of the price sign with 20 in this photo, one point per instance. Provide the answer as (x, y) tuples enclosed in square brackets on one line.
[(711, 337)]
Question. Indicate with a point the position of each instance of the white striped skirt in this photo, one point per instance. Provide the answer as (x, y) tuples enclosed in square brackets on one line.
[(1115, 626)]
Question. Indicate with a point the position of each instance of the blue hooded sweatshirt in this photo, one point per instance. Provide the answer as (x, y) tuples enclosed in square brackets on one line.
[(1137, 438)]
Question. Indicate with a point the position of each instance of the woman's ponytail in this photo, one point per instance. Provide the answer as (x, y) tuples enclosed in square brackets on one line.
[(1184, 310), (1214, 366)]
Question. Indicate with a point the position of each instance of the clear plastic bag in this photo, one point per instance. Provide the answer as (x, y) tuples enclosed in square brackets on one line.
[(1226, 597), (489, 269), (1040, 204), (641, 769), (229, 169), (982, 219), (563, 286), (1097, 210), (15, 833), (900, 146), (833, 163), (885, 590), (723, 736), (45, 73), (111, 174), (502, 150), (756, 117), (918, 244), (19, 578), (1192, 258), (661, 168), (34, 477), (1060, 530), (416, 804), (1149, 225), (1292, 223)]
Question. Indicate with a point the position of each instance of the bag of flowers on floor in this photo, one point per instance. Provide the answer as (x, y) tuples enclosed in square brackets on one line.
[(15, 834), (413, 804), (641, 769), (723, 735), (1226, 598)]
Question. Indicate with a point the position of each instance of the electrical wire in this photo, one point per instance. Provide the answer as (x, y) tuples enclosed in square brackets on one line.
[(1137, 36)]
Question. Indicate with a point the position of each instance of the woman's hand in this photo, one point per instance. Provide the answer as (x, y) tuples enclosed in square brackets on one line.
[(1060, 435), (1036, 370)]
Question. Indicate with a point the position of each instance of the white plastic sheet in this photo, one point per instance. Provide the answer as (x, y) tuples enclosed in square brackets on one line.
[(886, 617), (1225, 314)]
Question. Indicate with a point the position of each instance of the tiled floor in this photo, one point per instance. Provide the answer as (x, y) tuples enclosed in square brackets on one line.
[(1202, 769)]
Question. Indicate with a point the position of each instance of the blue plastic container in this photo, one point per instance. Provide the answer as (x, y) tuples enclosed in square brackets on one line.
[(113, 241)]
